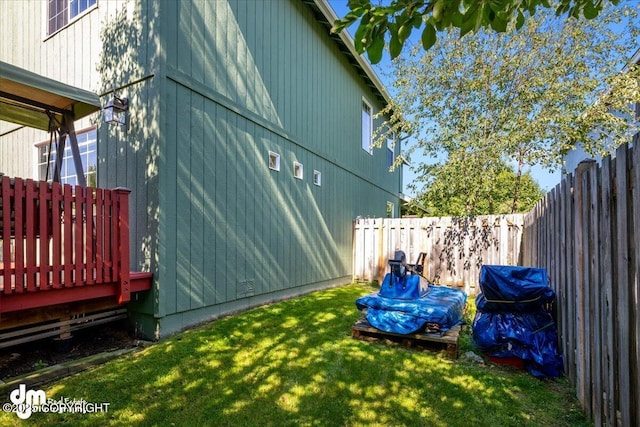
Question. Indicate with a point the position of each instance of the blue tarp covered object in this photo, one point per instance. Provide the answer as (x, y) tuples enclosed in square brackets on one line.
[(510, 288), (531, 337), (513, 318), (440, 309), (408, 287)]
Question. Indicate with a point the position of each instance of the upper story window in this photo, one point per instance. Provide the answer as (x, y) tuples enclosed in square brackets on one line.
[(87, 143), (389, 152), (62, 12), (367, 126)]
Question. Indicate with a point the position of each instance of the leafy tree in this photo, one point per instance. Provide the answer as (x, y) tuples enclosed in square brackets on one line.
[(398, 19), (464, 197), (522, 98)]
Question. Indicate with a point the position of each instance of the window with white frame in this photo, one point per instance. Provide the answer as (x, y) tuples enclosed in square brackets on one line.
[(298, 170), (87, 144), (390, 145), (367, 126), (274, 161), (317, 178), (62, 12), (391, 210)]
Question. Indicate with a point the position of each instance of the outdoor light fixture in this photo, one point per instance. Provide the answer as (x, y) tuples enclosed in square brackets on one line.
[(116, 111)]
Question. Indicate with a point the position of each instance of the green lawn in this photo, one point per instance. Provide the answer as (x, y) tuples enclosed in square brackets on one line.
[(294, 363)]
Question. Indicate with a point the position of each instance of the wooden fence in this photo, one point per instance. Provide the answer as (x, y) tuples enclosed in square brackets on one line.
[(585, 233), (456, 248), (59, 243)]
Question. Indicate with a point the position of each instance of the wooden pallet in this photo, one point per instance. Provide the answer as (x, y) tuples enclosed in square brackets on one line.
[(447, 341)]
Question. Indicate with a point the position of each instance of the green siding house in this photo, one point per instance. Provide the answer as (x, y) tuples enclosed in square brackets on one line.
[(246, 147)]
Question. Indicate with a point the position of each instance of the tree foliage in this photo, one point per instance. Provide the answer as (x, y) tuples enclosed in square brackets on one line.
[(463, 197), (519, 99), (398, 18)]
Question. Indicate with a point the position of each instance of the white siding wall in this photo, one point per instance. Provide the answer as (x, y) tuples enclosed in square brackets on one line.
[(70, 56)]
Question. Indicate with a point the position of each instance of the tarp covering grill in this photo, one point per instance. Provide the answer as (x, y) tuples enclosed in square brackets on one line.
[(514, 320)]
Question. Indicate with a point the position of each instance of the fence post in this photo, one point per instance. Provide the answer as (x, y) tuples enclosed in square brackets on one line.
[(6, 234), (122, 196)]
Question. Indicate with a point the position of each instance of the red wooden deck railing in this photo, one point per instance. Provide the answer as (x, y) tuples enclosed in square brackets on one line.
[(62, 244)]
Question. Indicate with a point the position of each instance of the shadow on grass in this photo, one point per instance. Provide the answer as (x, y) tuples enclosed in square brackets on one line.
[(295, 363)]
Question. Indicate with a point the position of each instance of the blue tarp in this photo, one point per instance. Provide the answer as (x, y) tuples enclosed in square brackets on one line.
[(510, 288), (410, 286), (441, 308), (531, 337), (513, 318)]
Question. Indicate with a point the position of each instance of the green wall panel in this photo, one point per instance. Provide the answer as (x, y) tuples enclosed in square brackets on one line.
[(274, 59), (241, 79)]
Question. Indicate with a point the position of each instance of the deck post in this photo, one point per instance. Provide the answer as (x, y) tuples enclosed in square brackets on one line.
[(123, 244)]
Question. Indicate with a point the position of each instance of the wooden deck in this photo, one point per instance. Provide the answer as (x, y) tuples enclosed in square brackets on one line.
[(433, 341), (65, 253)]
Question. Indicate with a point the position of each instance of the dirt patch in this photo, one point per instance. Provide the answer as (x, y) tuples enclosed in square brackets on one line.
[(26, 358)]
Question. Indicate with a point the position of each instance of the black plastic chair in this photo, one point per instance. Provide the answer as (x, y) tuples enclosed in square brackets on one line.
[(418, 267)]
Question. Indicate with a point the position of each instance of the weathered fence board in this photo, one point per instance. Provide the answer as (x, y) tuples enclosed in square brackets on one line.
[(585, 234), (456, 248), (635, 283)]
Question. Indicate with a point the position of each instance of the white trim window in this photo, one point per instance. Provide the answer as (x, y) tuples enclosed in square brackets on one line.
[(367, 126), (87, 144), (391, 210), (298, 170), (317, 178), (274, 161), (61, 13), (390, 153)]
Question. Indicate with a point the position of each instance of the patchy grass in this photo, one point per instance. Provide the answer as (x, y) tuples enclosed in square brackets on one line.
[(294, 363)]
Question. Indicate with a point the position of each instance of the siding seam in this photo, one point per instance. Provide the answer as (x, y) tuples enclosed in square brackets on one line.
[(188, 82)]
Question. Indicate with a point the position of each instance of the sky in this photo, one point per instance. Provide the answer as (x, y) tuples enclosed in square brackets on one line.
[(546, 179)]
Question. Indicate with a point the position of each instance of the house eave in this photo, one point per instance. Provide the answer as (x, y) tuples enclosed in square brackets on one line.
[(326, 15)]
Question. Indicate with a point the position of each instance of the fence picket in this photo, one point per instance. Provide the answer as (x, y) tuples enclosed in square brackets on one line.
[(89, 237), (595, 300), (635, 302), (31, 198), (6, 233), (78, 235), (67, 227), (606, 249), (99, 235), (18, 194), (581, 237), (56, 198), (455, 247), (43, 217), (622, 288)]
